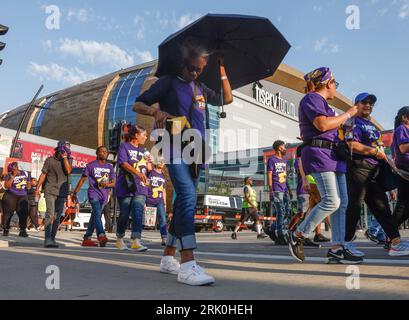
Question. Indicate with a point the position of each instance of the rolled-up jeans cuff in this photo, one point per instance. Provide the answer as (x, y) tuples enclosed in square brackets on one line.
[(184, 243), (187, 243), (120, 236), (171, 241), (136, 235)]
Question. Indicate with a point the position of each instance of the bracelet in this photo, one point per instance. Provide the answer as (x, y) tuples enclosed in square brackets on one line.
[(224, 78), (349, 115), (377, 149)]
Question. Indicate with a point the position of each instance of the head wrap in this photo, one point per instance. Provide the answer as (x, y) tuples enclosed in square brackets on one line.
[(320, 76)]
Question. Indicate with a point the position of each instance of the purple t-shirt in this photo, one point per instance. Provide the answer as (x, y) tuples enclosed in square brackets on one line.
[(300, 188), (314, 159), (365, 132), (134, 157), (279, 169), (99, 173), (401, 136), (19, 185), (175, 97), (158, 186)]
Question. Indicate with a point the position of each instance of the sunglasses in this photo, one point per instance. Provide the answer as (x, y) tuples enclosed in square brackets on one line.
[(367, 102), (336, 83), (192, 68)]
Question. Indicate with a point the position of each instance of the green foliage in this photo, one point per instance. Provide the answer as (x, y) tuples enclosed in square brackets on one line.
[(221, 189)]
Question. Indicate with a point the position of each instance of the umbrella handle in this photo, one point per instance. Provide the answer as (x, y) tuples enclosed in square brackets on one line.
[(222, 114)]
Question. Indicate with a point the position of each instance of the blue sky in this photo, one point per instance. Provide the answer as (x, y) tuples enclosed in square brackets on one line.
[(98, 37)]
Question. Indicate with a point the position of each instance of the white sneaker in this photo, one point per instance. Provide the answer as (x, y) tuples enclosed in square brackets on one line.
[(353, 250), (195, 276), (401, 249), (120, 244), (169, 265)]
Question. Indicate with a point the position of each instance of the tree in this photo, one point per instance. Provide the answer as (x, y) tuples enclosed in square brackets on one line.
[(221, 189)]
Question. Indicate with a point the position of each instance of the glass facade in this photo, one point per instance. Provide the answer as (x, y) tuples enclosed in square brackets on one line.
[(214, 124), (232, 172), (40, 116), (119, 106)]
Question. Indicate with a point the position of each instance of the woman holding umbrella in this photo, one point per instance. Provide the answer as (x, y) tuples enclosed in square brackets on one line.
[(181, 95)]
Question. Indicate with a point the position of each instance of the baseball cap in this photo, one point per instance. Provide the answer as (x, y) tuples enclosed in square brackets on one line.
[(363, 96)]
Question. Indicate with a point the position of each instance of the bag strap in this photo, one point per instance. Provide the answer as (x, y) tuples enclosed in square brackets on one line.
[(192, 108)]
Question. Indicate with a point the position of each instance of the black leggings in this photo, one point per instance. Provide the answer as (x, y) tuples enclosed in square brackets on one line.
[(362, 186), (33, 213), (401, 213), (13, 203)]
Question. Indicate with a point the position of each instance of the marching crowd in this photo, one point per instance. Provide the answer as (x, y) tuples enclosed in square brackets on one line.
[(340, 164)]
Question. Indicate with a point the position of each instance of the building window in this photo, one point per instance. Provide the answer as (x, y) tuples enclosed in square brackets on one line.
[(36, 130), (123, 97), (214, 124)]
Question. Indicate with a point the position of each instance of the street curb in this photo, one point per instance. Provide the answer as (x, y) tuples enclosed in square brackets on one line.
[(4, 244)]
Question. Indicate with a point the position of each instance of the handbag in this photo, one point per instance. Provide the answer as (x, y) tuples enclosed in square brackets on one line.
[(387, 177), (130, 182), (343, 152)]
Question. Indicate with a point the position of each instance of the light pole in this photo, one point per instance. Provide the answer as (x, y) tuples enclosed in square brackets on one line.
[(26, 113), (3, 31)]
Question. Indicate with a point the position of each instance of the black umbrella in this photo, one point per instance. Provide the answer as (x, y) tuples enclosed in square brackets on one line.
[(252, 48)]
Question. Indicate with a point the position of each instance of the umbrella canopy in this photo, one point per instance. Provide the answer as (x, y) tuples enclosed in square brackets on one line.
[(252, 48)]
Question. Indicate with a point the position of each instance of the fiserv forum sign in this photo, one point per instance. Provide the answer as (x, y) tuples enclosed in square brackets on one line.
[(274, 101)]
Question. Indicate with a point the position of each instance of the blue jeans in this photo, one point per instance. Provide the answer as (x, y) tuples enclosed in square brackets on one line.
[(95, 221), (375, 229), (134, 207), (334, 201), (161, 216), (303, 201), (281, 202), (55, 209), (182, 227)]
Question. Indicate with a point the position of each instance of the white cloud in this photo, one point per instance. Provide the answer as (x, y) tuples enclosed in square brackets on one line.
[(139, 22), (171, 21), (335, 48), (404, 11), (163, 20), (55, 72), (316, 9), (143, 56), (382, 12), (324, 45), (48, 45), (186, 19), (320, 44), (96, 52), (81, 15)]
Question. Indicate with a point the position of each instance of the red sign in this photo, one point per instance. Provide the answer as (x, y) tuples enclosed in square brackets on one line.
[(291, 154), (32, 152)]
